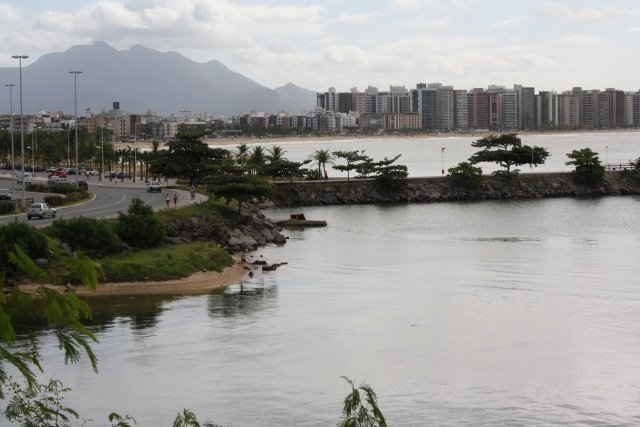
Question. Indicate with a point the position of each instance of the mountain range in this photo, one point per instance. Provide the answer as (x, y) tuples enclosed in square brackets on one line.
[(142, 79)]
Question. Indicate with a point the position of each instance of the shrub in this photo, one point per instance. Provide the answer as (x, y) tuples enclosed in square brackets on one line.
[(93, 236), (32, 241), (588, 169), (139, 227), (465, 175), (55, 200), (7, 207)]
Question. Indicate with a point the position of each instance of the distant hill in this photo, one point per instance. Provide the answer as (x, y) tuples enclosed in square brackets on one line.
[(143, 79)]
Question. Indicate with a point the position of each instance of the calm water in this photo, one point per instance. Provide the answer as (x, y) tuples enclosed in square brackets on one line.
[(521, 313)]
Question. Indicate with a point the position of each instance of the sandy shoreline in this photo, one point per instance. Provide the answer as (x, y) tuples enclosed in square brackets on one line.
[(311, 139), (197, 283)]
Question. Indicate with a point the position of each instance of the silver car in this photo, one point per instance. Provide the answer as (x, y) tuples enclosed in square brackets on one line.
[(41, 210)]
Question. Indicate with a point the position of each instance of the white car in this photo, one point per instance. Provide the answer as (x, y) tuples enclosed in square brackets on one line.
[(5, 194), (28, 178), (154, 186), (41, 210)]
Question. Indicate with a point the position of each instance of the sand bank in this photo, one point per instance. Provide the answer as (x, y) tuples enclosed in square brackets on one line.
[(197, 283)]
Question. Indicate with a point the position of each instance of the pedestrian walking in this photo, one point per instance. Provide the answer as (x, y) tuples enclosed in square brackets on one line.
[(175, 200), (167, 199), (192, 190)]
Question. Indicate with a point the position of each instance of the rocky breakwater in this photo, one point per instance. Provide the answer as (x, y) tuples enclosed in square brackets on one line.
[(240, 233), (423, 190)]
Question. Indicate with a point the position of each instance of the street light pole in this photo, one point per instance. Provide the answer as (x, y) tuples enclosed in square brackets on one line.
[(75, 112), (606, 150), (442, 160), (13, 157), (101, 152), (20, 58)]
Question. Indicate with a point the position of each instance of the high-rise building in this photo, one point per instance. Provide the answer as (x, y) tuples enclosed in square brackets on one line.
[(616, 108), (508, 101), (365, 102), (396, 100), (478, 109), (526, 107), (424, 101), (636, 109), (548, 109), (328, 100), (461, 110), (628, 109), (568, 110), (345, 102), (604, 110), (446, 112)]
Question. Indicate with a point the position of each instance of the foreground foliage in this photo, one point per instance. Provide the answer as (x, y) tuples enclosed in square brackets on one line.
[(361, 407), (139, 227), (93, 236)]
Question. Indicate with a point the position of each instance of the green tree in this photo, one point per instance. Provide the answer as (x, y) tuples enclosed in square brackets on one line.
[(139, 227), (275, 153), (40, 405), (286, 169), (322, 157), (187, 157), (351, 157), (588, 168), (465, 175), (257, 159), (186, 418), (390, 176), (93, 236), (507, 151), (360, 408), (242, 188)]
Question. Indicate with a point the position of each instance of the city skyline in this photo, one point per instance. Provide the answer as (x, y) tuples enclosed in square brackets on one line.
[(467, 43)]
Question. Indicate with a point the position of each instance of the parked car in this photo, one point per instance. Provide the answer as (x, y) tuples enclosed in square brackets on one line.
[(54, 179), (90, 172), (58, 173), (122, 175), (28, 178), (41, 210), (154, 186), (82, 184), (5, 194)]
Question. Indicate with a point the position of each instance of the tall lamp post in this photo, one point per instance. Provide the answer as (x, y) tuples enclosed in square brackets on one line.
[(102, 151), (20, 58), (13, 157), (75, 113), (442, 160)]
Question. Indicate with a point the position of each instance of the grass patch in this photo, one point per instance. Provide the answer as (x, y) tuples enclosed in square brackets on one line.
[(211, 208), (165, 263)]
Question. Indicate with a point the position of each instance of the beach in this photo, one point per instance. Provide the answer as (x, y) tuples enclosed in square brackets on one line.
[(197, 283)]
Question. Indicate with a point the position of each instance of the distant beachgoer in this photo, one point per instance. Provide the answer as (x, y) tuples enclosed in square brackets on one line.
[(167, 199), (175, 200)]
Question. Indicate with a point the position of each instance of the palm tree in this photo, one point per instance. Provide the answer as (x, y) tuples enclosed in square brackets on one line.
[(356, 413), (322, 157), (257, 159), (243, 154), (275, 153)]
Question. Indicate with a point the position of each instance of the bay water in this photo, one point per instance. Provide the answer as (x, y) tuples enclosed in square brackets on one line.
[(511, 313)]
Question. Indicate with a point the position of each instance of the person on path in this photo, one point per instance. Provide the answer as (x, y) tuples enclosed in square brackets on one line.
[(192, 190), (167, 199), (175, 200)]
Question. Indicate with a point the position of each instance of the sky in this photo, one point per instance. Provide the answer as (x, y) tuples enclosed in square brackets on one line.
[(551, 45)]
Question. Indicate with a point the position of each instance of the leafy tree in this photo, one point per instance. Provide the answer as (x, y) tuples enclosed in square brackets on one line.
[(242, 188), (389, 175), (139, 227), (93, 236), (323, 157), (360, 407), (187, 157), (41, 405), (286, 169), (242, 156), (29, 239), (120, 421), (64, 312), (186, 418), (352, 158), (507, 151), (588, 168), (465, 175), (365, 167)]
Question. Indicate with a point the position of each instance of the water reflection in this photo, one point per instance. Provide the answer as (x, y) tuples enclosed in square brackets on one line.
[(244, 299)]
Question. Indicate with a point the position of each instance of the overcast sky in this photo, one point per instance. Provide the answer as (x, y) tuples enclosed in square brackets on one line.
[(346, 43)]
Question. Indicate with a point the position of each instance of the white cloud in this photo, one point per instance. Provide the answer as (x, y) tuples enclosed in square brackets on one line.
[(509, 22), (578, 40), (417, 4), (420, 22), (359, 18), (634, 29), (557, 10)]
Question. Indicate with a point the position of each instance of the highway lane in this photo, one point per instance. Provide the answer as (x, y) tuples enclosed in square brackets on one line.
[(110, 198)]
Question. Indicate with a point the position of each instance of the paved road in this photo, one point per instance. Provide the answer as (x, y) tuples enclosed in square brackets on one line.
[(110, 197)]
